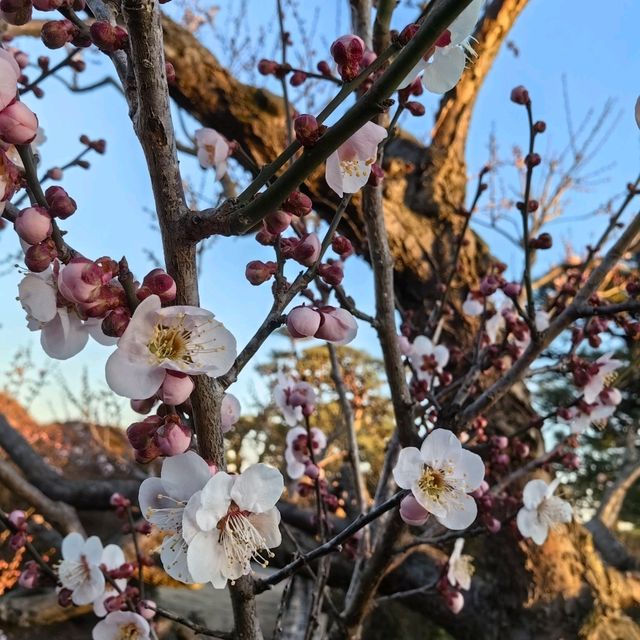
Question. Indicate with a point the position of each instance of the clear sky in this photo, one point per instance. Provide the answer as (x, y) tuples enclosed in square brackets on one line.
[(593, 44)]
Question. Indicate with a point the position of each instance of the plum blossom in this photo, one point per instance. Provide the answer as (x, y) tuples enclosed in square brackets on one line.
[(411, 511), (603, 366), (428, 359), (443, 69), (236, 521), (473, 304), (79, 571), (440, 475), (347, 169), (180, 338), (294, 398), (542, 510), (581, 416), (460, 567), (112, 558), (298, 453), (121, 625), (163, 501), (230, 411), (213, 150)]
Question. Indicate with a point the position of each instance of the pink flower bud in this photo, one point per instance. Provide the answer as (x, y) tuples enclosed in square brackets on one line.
[(311, 470), (158, 282), (33, 225), (303, 322), (114, 603), (267, 67), (324, 68), (338, 326), (297, 204), (512, 289), (307, 129), (173, 437), (489, 285), (500, 442), (18, 519), (115, 324), (332, 273), (454, 601), (412, 512), (18, 124), (277, 222), (176, 388), (60, 204), (17, 12), (108, 37), (342, 246), (18, 540), (229, 411), (404, 345), (29, 578), (265, 238), (143, 406), (407, 33), (40, 256), (56, 33), (307, 250), (118, 500), (492, 524), (258, 272), (147, 609), (415, 108), (348, 50)]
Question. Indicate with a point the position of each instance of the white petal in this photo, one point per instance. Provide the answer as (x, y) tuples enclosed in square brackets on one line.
[(445, 69), (441, 447), (258, 488), (413, 74), (206, 559), (215, 500), (530, 526), (90, 589), (184, 474), (534, 493), (38, 297), (333, 175), (469, 471), (173, 555), (112, 557), (72, 546), (93, 550), (441, 354), (463, 26), (267, 524), (94, 327), (461, 514), (63, 337), (132, 379), (141, 325), (408, 468)]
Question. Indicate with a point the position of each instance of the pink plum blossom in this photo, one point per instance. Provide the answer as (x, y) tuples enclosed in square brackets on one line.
[(18, 124), (181, 338), (348, 168), (213, 150), (230, 411)]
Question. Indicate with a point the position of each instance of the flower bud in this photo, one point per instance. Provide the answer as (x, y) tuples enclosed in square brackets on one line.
[(40, 256), (60, 204), (143, 406), (338, 326), (543, 241), (229, 411), (307, 129), (520, 95), (512, 289), (307, 250), (18, 124), (407, 33), (303, 322), (277, 222), (348, 50), (454, 601), (147, 609), (324, 68), (258, 272), (297, 78), (376, 176), (415, 108), (56, 33), (108, 37), (29, 578), (332, 274), (267, 67), (140, 434), (532, 160), (176, 388), (265, 238), (297, 204), (342, 246), (412, 512), (311, 470), (173, 438), (158, 282), (489, 285), (18, 519), (33, 225), (64, 597), (540, 126), (115, 323), (17, 12)]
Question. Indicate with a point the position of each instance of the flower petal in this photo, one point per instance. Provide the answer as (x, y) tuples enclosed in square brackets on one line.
[(215, 500), (132, 379), (408, 468), (469, 471), (173, 555), (460, 514), (63, 337), (184, 474), (463, 26), (534, 493), (530, 526), (206, 559), (445, 69), (258, 488), (441, 447), (267, 524), (72, 546)]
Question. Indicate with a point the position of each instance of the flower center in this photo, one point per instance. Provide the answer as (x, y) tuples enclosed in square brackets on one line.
[(551, 512), (353, 167), (429, 363), (433, 483), (170, 343), (74, 572), (129, 632), (241, 541)]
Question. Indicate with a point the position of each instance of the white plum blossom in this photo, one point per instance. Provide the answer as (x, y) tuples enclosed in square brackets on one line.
[(79, 571), (236, 521), (443, 69), (605, 366), (122, 625), (179, 338), (428, 359), (581, 416), (163, 501), (213, 150), (292, 396), (440, 475), (298, 453), (230, 411), (347, 169), (542, 510), (460, 567), (112, 558), (473, 304)]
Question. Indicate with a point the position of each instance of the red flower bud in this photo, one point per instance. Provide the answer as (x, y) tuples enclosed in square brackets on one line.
[(297, 204), (307, 129), (56, 33), (307, 251), (17, 12), (277, 222), (108, 37), (33, 225), (258, 272), (61, 205), (40, 256), (520, 95)]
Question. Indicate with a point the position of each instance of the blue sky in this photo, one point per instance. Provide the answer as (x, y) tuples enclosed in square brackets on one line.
[(594, 47)]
